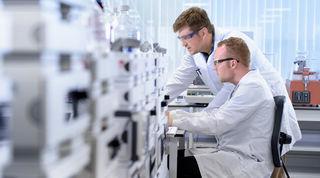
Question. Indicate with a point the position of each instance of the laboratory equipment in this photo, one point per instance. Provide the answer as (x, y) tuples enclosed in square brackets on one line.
[(105, 130), (82, 106), (6, 94), (5, 120), (304, 86), (198, 94), (141, 94), (50, 107)]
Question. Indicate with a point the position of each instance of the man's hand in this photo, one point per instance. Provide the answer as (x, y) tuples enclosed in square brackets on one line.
[(169, 119)]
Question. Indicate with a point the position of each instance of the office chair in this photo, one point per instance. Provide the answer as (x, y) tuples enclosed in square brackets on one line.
[(279, 138)]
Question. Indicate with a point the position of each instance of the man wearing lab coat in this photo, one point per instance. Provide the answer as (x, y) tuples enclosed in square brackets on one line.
[(242, 125), (200, 38)]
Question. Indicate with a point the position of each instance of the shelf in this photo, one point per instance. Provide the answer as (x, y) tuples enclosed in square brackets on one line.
[(308, 115), (304, 174), (306, 148)]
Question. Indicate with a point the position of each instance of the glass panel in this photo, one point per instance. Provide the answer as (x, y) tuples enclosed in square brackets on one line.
[(282, 29)]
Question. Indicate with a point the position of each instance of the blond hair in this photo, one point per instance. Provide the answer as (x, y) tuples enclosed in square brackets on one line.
[(238, 48)]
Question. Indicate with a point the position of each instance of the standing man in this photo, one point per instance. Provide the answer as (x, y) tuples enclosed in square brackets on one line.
[(200, 38)]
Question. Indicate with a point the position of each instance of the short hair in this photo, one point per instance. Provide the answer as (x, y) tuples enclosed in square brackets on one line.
[(195, 18), (238, 48)]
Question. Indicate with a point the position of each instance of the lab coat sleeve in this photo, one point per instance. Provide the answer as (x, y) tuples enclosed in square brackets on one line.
[(181, 78), (246, 100)]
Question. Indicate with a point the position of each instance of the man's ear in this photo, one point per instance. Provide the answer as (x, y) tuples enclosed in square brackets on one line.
[(233, 63), (204, 31)]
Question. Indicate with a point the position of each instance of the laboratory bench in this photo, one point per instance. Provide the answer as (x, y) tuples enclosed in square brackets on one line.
[(304, 159)]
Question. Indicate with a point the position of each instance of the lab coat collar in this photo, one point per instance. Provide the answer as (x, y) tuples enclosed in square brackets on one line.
[(247, 76), (219, 35), (243, 79)]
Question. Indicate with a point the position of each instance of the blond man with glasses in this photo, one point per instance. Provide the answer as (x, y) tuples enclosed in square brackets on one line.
[(242, 125)]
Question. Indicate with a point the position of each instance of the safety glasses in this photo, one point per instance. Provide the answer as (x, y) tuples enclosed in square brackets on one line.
[(187, 37), (218, 61)]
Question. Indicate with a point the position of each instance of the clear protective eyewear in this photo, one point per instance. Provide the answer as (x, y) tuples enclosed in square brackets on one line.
[(218, 61), (187, 37)]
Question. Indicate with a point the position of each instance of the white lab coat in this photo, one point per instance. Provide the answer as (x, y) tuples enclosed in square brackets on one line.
[(186, 73), (243, 128)]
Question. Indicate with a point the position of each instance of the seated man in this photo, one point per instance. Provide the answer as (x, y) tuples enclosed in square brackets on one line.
[(242, 126)]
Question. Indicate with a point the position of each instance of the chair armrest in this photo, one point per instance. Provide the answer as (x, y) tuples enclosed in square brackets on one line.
[(285, 138)]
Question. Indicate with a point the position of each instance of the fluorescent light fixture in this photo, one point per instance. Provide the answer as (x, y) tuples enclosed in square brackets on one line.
[(278, 9), (267, 21), (191, 4), (270, 16)]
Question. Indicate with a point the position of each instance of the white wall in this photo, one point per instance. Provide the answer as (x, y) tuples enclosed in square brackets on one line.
[(283, 28)]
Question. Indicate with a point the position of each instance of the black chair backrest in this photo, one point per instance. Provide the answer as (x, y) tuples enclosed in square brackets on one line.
[(275, 146)]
